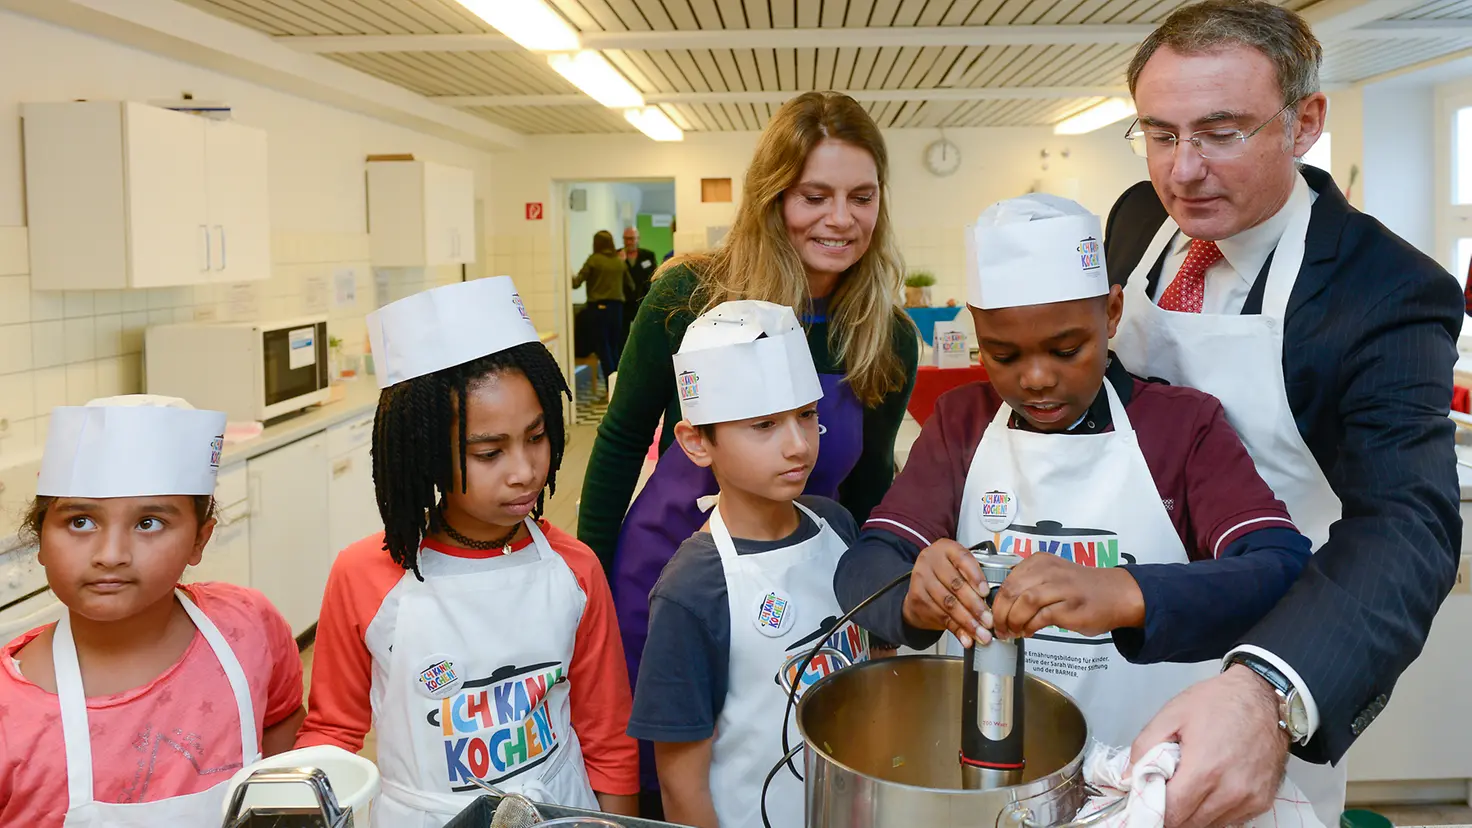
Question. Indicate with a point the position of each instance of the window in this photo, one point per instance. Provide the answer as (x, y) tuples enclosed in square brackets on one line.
[(1462, 155), (1319, 154)]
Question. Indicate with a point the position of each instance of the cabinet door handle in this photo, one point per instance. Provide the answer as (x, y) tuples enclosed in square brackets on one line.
[(204, 228), (223, 255)]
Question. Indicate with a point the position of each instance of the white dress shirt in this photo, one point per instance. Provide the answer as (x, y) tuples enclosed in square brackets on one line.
[(1230, 280)]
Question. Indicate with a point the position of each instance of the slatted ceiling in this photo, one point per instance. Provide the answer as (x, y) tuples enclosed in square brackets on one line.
[(758, 15), (1354, 61), (555, 120), (1443, 9)]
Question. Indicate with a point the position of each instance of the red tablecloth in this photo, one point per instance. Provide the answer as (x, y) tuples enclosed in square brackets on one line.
[(931, 382)]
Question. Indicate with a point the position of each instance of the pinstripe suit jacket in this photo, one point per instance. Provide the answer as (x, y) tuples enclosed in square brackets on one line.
[(1369, 344)]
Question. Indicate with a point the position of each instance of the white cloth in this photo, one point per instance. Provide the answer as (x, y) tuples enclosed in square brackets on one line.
[(1090, 499), (131, 446), (1230, 280), (474, 688), (744, 358), (196, 810), (447, 326), (1108, 770), (780, 602), (1239, 360), (1034, 250)]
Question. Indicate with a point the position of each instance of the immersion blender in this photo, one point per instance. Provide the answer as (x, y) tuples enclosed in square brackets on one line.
[(992, 694)]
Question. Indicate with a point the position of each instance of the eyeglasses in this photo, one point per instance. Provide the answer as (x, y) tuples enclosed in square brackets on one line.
[(1212, 144)]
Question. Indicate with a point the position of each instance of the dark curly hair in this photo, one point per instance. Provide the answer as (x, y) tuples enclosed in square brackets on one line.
[(412, 460)]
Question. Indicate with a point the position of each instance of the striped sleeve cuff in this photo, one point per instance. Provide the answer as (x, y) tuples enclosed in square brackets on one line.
[(1243, 527)]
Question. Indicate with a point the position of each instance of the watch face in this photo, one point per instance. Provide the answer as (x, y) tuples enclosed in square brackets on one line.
[(1297, 716)]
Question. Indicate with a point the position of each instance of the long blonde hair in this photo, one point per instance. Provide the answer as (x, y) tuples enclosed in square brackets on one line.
[(757, 261)]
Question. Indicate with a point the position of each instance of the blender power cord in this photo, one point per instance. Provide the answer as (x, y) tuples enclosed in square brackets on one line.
[(789, 752)]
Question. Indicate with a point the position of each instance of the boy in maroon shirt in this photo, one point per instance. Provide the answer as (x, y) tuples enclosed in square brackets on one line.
[(1164, 543)]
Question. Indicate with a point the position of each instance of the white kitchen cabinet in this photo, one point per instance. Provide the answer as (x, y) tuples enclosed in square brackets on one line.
[(227, 556), (289, 549), (420, 214), (351, 502), (126, 195)]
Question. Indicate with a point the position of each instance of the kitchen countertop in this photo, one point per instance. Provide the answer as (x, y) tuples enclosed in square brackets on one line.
[(18, 476)]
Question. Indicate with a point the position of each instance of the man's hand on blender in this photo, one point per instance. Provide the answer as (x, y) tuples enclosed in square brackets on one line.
[(945, 593), (1047, 591)]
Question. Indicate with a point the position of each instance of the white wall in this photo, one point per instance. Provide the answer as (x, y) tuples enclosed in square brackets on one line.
[(65, 347), (1400, 160), (929, 213)]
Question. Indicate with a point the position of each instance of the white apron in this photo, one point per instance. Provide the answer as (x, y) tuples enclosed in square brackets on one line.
[(478, 686), (1239, 360), (196, 810), (780, 601), (1089, 499)]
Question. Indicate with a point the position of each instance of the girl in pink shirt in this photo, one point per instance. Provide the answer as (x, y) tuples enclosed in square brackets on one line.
[(139, 705)]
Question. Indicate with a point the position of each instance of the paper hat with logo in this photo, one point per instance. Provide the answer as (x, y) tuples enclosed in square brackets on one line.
[(131, 446), (447, 326), (1033, 250), (744, 359)]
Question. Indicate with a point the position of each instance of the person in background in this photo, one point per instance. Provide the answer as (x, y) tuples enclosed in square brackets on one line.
[(1149, 540), (673, 222), (713, 682), (467, 599), (137, 707), (1330, 342), (610, 287), (812, 232), (641, 265)]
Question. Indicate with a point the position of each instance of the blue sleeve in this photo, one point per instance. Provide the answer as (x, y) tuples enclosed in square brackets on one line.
[(682, 677), (874, 560), (1200, 610)]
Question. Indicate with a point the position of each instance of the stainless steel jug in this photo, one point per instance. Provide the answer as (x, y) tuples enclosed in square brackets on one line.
[(883, 746)]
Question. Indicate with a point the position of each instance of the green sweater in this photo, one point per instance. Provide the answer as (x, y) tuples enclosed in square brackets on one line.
[(608, 278), (646, 391)]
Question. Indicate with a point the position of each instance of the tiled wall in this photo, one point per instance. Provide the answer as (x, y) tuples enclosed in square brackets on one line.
[(66, 347)]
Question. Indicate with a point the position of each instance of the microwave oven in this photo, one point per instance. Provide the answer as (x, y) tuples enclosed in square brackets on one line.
[(249, 370)]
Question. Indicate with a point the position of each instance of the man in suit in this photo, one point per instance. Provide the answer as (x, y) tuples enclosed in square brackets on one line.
[(1330, 342)]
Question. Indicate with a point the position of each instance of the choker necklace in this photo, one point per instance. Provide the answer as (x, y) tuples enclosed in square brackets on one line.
[(471, 543)]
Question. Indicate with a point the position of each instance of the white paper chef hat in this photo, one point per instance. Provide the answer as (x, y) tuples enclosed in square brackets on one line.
[(131, 446), (1033, 250), (744, 358), (446, 326)]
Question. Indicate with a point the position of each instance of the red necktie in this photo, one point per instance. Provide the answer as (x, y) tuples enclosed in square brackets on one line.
[(1186, 293)]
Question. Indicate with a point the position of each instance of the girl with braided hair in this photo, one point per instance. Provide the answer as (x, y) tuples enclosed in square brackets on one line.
[(477, 640)]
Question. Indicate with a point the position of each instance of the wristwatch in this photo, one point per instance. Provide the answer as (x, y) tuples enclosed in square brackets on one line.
[(1292, 714)]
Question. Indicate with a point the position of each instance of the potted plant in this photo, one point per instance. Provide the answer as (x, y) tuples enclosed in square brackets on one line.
[(917, 288)]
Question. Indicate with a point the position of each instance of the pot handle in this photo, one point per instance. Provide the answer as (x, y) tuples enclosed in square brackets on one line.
[(1019, 814)]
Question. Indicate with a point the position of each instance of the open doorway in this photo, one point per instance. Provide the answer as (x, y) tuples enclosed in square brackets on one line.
[(639, 215)]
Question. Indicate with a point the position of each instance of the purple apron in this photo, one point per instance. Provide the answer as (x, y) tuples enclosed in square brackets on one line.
[(664, 515)]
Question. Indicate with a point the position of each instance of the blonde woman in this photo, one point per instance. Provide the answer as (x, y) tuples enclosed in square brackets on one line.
[(812, 232)]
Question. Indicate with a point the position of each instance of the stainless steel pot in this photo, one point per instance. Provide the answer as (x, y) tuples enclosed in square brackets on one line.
[(883, 744)]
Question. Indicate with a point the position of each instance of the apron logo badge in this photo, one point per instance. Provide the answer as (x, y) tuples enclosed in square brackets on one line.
[(439, 678), (774, 614), (689, 382), (998, 508), (1090, 255)]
